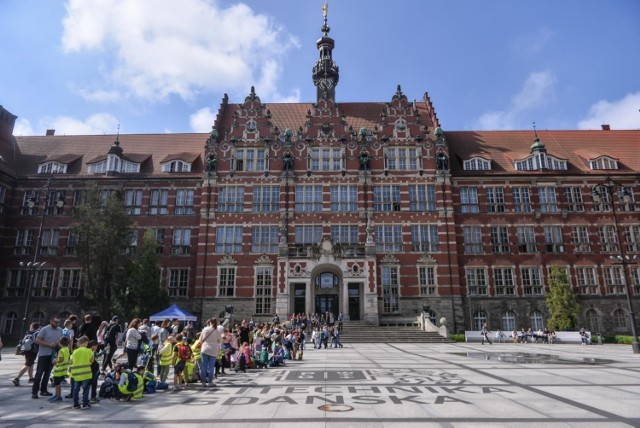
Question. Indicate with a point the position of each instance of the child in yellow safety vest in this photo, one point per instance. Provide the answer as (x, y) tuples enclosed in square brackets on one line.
[(81, 373), (197, 360), (61, 368), (131, 384), (166, 358), (181, 355)]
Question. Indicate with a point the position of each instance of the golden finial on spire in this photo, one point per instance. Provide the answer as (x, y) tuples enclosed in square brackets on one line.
[(325, 9)]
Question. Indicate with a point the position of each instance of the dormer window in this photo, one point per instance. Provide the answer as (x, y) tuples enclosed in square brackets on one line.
[(603, 162), (540, 161), (176, 166), (52, 168), (476, 164), (114, 163)]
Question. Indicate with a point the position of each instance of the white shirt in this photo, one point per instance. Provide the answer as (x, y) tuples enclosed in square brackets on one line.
[(211, 340)]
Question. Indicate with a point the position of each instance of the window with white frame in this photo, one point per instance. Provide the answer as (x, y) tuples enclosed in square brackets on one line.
[(231, 199), (626, 199), (308, 234), (593, 320), (635, 279), (133, 243), (424, 238), (422, 197), (386, 198), (51, 202), (632, 238), (472, 239), (500, 239), (603, 203), (266, 198), (476, 281), (476, 164), (573, 196), (603, 162), (401, 159), (226, 281), (326, 159), (521, 199), (390, 290), (249, 160), (553, 239), (427, 280), (52, 167), (308, 198), (176, 166), (49, 242), (17, 284), (531, 281), (504, 282), (548, 202), (178, 282), (495, 199), (344, 234), (608, 239), (229, 239), (73, 239), (264, 239), (264, 290), (388, 238), (29, 198), (536, 320), (133, 201), (613, 279), (42, 283), (158, 203), (181, 241), (469, 199), (344, 198), (587, 280), (539, 161), (479, 319), (97, 168), (158, 235), (24, 240), (620, 319), (508, 321), (69, 285), (184, 201), (10, 323), (580, 237), (526, 239)]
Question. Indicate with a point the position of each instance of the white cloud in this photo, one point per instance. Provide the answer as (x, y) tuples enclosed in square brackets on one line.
[(537, 90), (620, 114), (100, 123), (202, 120), (533, 43), (181, 47), (100, 95), (23, 127)]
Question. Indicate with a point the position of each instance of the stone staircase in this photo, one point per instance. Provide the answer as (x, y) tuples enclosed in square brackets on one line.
[(365, 332)]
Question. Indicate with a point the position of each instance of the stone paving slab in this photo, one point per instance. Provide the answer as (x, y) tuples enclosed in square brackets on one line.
[(379, 385)]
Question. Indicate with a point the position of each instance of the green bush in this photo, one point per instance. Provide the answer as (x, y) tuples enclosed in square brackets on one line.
[(457, 337), (626, 340)]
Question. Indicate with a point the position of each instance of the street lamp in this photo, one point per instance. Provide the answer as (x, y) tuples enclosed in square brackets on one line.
[(34, 265), (610, 186)]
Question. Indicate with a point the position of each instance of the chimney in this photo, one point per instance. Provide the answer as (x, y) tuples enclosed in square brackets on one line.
[(50, 132), (606, 127)]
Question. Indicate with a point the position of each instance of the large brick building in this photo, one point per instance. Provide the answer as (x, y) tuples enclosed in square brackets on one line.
[(369, 209)]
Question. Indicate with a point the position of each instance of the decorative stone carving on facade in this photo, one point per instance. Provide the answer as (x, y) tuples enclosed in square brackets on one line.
[(389, 259), (264, 260), (298, 271), (354, 271), (227, 260), (427, 259)]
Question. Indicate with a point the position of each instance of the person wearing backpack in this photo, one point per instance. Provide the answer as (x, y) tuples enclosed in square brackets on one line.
[(29, 349), (181, 354), (131, 384)]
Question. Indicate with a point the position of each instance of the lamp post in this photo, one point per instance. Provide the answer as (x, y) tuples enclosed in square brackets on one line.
[(34, 265), (610, 186)]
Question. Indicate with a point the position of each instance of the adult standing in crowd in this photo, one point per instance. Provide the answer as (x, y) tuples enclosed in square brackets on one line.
[(88, 329), (133, 343), (110, 340), (211, 340), (47, 340), (30, 355)]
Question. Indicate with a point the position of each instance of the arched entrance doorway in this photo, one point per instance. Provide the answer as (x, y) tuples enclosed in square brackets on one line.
[(327, 286)]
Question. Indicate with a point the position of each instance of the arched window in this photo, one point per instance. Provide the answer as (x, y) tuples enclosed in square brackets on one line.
[(508, 321), (593, 320), (10, 322), (38, 317), (479, 318), (537, 320), (620, 319), (433, 317)]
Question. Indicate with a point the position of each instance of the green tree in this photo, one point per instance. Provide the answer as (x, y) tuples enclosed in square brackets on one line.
[(142, 294), (104, 233), (561, 301)]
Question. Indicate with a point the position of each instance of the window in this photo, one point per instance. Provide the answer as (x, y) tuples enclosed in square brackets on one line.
[(573, 196), (620, 319), (526, 239), (386, 198), (184, 201), (49, 242), (472, 239), (30, 198), (580, 237), (603, 204), (17, 285), (79, 197), (548, 202), (401, 159), (226, 281), (158, 235), (307, 234), (587, 281), (97, 168), (24, 239), (469, 200), (266, 198), (42, 283), (476, 281), (52, 168), (632, 238), (613, 279), (424, 238), (69, 282), (500, 239), (133, 243), (422, 198), (230, 199), (158, 203), (628, 192), (229, 239), (133, 201), (104, 196), (593, 320), (508, 321), (344, 234), (264, 289), (10, 323), (264, 239), (479, 318), (176, 166), (521, 199), (476, 164), (388, 238), (635, 279), (308, 199), (178, 282), (603, 162), (608, 239), (249, 160), (181, 241), (52, 200), (427, 280), (344, 198), (553, 239), (536, 320), (326, 159), (531, 281), (390, 290), (38, 317), (503, 280), (495, 199), (539, 161)]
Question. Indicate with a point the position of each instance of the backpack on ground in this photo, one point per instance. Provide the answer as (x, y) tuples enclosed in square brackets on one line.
[(106, 389), (132, 385)]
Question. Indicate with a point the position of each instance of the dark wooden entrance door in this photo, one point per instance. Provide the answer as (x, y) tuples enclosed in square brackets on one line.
[(354, 302), (327, 303)]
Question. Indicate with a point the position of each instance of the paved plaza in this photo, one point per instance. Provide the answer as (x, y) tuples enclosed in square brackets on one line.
[(366, 385)]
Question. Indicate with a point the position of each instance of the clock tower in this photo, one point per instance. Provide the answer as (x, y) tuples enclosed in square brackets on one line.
[(325, 71)]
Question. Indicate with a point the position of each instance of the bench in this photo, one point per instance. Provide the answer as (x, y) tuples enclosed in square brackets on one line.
[(570, 337), (561, 337)]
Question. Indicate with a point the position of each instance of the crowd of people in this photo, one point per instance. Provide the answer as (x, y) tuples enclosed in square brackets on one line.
[(87, 356)]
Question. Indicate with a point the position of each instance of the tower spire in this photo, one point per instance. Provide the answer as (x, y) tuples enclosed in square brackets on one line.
[(325, 71)]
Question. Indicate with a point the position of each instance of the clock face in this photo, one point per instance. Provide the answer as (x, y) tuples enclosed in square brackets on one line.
[(325, 84)]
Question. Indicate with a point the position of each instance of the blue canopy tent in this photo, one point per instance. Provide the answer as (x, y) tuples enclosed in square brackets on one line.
[(173, 312)]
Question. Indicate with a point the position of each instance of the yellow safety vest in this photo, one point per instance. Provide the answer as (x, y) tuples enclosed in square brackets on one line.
[(62, 362), (196, 351), (81, 364), (138, 392), (166, 354)]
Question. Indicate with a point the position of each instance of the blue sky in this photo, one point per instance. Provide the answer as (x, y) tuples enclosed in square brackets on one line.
[(155, 66)]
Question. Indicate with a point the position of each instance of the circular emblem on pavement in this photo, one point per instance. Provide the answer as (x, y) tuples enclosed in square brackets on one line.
[(335, 408)]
